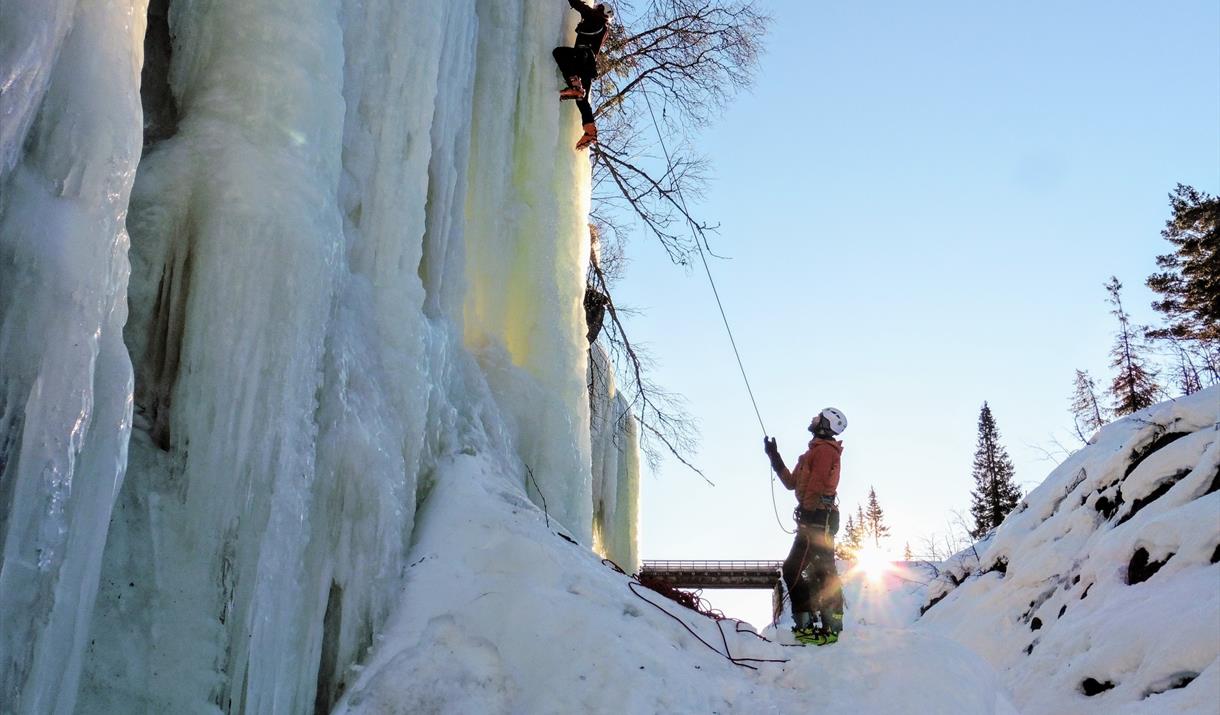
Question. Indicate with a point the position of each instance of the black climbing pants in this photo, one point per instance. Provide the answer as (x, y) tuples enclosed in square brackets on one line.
[(811, 576), (579, 61)]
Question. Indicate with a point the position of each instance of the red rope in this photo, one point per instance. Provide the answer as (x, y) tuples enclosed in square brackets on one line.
[(699, 605)]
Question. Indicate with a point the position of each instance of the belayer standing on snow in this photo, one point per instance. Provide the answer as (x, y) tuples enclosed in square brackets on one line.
[(809, 571), (578, 63)]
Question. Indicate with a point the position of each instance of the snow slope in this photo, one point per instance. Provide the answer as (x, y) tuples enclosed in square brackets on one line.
[(1107, 575), (502, 614)]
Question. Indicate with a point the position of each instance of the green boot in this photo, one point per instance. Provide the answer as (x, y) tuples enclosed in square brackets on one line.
[(806, 636)]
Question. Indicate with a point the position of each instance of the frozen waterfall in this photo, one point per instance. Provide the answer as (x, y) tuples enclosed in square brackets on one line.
[(357, 247)]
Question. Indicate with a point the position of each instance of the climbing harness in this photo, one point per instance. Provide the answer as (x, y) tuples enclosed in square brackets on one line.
[(698, 235)]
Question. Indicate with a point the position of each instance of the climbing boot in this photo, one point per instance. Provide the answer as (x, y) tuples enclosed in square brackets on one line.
[(805, 636), (825, 638), (574, 90), (589, 137)]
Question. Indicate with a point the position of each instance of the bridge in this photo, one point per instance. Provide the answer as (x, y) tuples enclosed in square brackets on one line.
[(713, 574)]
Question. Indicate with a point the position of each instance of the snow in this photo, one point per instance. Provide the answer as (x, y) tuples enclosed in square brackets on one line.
[(1068, 567), (893, 599), (326, 430), (502, 614)]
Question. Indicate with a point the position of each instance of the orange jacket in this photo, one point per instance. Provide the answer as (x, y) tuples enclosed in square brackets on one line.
[(816, 473)]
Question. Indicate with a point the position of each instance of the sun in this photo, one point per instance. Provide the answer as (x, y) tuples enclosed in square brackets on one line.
[(873, 562)]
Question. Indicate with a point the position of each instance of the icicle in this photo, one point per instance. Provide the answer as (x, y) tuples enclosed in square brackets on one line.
[(65, 380)]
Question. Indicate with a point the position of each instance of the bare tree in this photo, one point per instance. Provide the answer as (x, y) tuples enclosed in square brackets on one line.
[(666, 69), (1189, 365), (952, 550), (665, 424)]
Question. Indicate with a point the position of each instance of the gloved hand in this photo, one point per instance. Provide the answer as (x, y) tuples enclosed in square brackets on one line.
[(772, 450)]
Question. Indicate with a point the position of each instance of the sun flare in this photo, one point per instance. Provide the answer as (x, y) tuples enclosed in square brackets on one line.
[(873, 562)]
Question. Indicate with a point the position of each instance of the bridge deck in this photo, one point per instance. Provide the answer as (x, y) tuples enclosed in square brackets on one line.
[(713, 574)]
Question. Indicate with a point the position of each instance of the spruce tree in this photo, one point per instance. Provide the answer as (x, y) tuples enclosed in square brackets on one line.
[(906, 552), (1087, 411), (846, 548), (1134, 386), (1189, 284), (862, 524), (855, 538), (995, 489), (875, 519)]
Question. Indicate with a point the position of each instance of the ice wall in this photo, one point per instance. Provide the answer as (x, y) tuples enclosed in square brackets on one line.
[(616, 466), (511, 210), (357, 246), (69, 142)]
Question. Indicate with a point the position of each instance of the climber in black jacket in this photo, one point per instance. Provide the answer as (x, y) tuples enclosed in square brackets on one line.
[(578, 63)]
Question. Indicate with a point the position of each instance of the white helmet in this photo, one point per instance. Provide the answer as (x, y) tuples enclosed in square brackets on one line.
[(831, 419)]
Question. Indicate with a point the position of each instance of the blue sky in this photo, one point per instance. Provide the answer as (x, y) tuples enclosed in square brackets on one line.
[(920, 203)]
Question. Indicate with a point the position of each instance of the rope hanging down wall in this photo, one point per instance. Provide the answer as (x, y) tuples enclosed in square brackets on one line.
[(698, 236)]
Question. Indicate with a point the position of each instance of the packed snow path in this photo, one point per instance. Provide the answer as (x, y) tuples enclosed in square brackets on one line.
[(501, 614)]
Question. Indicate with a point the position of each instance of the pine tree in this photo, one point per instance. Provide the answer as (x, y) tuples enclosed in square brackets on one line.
[(906, 552), (862, 524), (847, 547), (1087, 412), (875, 519), (855, 537), (1189, 283), (995, 489), (1135, 386)]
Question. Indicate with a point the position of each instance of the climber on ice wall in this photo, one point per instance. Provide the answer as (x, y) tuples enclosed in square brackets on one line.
[(809, 571), (578, 63)]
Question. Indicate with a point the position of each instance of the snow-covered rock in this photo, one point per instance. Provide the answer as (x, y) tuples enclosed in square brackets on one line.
[(1101, 591)]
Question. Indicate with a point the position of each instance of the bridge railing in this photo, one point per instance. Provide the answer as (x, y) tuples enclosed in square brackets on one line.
[(713, 574), (718, 566)]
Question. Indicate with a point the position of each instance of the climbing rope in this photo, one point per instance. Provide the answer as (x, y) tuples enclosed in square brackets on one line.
[(697, 235), (718, 617)]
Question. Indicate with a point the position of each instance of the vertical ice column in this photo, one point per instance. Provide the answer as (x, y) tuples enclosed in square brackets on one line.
[(408, 69), (616, 466), (30, 39), (65, 380), (408, 75), (237, 244), (527, 242)]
